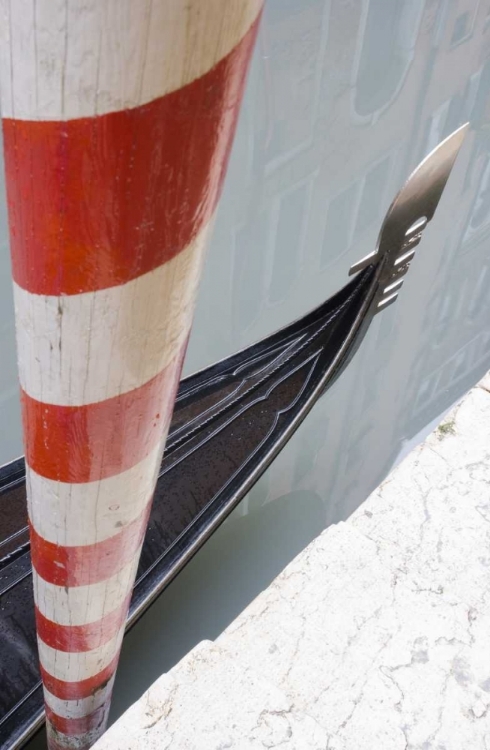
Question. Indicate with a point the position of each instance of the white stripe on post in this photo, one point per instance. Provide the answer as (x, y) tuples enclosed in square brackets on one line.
[(145, 320), (66, 60), (79, 605), (76, 709), (115, 502), (75, 667)]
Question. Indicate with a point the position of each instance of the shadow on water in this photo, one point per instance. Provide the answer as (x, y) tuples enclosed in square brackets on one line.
[(225, 576)]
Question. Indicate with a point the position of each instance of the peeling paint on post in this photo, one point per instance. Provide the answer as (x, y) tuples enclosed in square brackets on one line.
[(118, 117)]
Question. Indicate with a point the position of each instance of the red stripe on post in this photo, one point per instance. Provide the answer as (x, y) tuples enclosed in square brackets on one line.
[(79, 725), (98, 201), (82, 688), (77, 444), (89, 563), (79, 638)]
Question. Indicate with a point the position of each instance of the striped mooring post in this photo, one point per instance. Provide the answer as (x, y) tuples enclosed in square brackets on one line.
[(118, 117)]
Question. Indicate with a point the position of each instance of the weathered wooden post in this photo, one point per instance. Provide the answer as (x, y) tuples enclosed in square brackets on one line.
[(118, 117)]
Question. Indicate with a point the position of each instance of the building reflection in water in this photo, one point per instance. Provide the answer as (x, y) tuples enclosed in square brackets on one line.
[(344, 99)]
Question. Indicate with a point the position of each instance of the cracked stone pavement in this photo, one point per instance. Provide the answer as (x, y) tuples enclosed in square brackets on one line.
[(376, 637)]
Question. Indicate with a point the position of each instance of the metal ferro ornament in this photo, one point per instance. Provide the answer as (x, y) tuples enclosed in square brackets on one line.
[(118, 118)]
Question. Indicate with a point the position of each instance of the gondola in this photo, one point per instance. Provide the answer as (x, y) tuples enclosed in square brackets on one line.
[(229, 423)]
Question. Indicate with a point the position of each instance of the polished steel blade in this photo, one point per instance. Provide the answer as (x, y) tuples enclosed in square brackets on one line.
[(415, 204)]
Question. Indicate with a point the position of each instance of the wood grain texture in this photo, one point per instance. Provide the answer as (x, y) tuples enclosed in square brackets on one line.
[(86, 637), (79, 689), (118, 119), (86, 443), (75, 709), (78, 605), (64, 60), (74, 666), (146, 321), (115, 502), (98, 201)]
